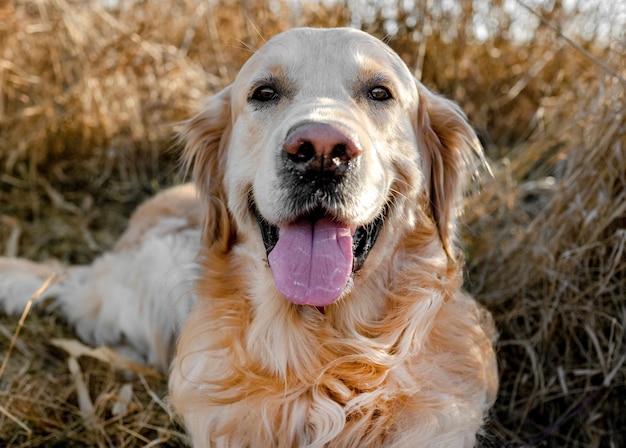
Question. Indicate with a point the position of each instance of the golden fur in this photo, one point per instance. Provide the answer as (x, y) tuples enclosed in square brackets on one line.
[(404, 357), (400, 358)]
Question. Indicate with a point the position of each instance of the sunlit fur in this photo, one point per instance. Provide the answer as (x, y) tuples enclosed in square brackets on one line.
[(404, 358), (134, 297)]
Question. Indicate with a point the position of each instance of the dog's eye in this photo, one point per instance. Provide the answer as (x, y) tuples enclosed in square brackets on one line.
[(379, 93), (264, 94)]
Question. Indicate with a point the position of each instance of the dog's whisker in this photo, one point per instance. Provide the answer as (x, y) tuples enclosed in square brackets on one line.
[(256, 29), (244, 46)]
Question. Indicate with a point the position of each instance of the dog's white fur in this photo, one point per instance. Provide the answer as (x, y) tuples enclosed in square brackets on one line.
[(404, 358)]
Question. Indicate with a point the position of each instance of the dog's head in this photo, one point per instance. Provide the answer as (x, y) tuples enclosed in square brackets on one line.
[(324, 143)]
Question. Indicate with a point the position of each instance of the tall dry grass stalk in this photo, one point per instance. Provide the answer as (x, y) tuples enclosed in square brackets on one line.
[(88, 98)]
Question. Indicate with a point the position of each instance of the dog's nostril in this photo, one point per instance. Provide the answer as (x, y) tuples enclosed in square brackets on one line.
[(305, 152), (339, 154)]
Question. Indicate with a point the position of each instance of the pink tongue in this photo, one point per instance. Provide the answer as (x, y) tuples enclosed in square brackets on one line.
[(312, 262)]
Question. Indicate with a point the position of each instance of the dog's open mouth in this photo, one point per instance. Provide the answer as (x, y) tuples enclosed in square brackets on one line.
[(312, 258)]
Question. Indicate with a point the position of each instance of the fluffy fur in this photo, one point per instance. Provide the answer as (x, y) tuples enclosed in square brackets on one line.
[(403, 358)]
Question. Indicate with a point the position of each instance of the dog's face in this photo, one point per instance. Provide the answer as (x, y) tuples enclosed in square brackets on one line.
[(316, 153)]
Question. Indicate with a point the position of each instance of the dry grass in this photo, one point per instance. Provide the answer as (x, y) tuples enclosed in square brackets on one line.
[(548, 240), (87, 98)]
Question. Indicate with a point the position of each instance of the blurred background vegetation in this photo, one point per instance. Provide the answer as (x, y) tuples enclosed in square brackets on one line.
[(90, 93)]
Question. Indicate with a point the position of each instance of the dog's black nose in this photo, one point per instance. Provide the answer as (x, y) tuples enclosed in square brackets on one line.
[(321, 148)]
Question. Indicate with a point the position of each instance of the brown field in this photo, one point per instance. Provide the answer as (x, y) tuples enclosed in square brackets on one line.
[(88, 100)]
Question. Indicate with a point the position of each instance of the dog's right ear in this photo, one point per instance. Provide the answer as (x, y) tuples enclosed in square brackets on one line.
[(205, 138), (450, 153)]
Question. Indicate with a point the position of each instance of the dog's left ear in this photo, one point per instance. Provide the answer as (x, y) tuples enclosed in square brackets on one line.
[(450, 152), (205, 138)]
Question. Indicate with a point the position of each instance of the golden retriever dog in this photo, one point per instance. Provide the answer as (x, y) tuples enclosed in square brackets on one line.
[(312, 277)]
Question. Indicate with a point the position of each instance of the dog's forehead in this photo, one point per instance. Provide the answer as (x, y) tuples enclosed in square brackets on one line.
[(320, 54)]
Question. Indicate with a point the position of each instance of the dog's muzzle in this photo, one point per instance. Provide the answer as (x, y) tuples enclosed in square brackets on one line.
[(313, 256)]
